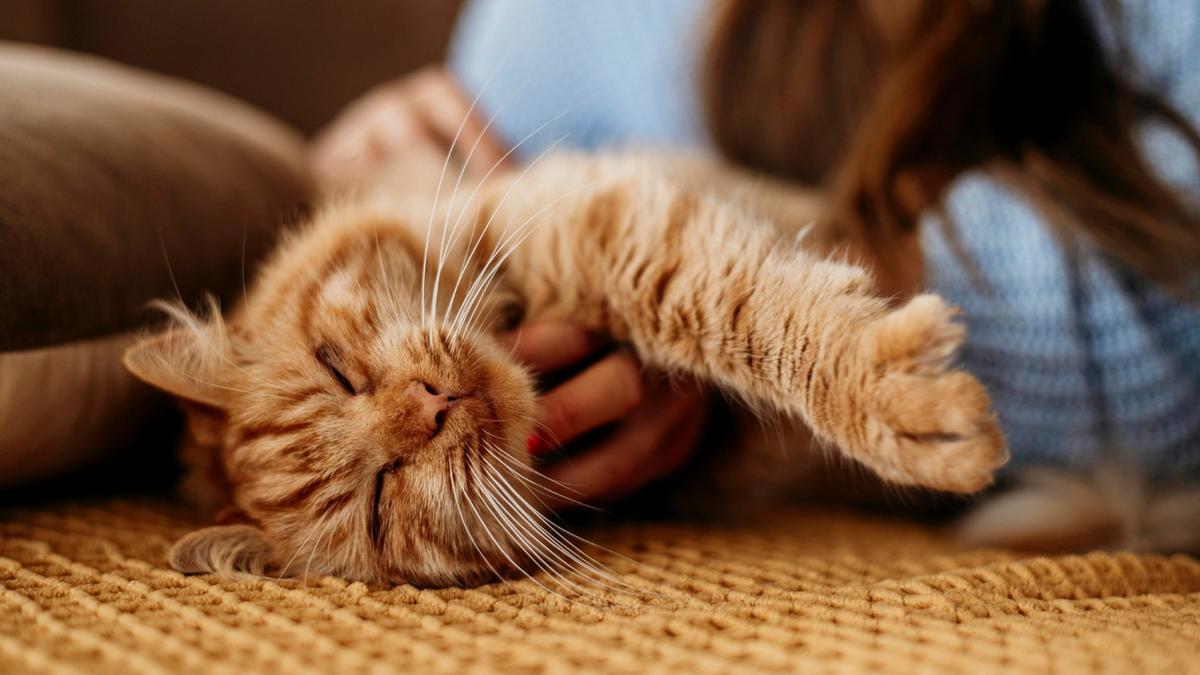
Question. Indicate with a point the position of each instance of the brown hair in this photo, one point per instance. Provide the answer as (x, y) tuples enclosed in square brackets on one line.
[(885, 104)]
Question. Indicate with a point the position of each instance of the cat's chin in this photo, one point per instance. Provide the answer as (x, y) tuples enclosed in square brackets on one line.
[(464, 564)]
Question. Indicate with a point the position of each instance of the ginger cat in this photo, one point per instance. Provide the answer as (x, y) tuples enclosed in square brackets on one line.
[(357, 416)]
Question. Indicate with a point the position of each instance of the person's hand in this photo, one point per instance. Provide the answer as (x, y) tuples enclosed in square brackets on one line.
[(657, 423), (421, 112)]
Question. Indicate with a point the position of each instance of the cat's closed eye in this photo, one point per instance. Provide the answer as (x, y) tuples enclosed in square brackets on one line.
[(330, 357), (375, 527)]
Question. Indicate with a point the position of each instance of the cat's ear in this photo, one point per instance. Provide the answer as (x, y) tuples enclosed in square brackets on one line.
[(228, 550), (182, 362)]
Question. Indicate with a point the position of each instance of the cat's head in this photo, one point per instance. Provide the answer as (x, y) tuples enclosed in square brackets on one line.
[(357, 436)]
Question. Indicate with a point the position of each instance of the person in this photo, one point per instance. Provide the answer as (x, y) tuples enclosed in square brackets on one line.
[(1033, 161)]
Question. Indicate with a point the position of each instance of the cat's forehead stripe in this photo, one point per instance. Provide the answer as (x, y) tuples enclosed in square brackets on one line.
[(312, 283), (363, 263)]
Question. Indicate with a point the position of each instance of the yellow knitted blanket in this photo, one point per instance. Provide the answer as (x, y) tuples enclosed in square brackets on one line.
[(85, 589)]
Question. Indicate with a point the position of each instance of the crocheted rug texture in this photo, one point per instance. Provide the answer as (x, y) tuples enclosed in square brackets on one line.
[(85, 589)]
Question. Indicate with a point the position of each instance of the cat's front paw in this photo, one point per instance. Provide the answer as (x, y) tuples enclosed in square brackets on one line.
[(923, 422)]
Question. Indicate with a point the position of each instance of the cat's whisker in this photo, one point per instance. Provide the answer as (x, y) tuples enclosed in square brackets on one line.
[(479, 184), (498, 520), (549, 435), (503, 550), (512, 473), (283, 571), (495, 209), (583, 557), (326, 533), (518, 473), (502, 456), (541, 475), (542, 558), (563, 552), (442, 244), (584, 541), (442, 177), (538, 490), (559, 528), (457, 495), (556, 532), (503, 519), (509, 245), (466, 162), (476, 290), (565, 568)]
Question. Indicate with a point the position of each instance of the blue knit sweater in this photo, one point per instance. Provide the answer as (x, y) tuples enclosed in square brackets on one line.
[(1080, 358)]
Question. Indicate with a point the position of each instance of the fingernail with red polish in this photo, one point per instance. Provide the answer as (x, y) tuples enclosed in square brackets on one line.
[(536, 445)]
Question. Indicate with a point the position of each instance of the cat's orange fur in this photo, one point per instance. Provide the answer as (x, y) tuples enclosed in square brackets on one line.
[(304, 401)]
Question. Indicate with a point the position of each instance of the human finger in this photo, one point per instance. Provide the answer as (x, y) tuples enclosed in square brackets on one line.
[(550, 345), (606, 391), (652, 442)]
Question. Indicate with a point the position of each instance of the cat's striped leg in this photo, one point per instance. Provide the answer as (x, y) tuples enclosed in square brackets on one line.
[(698, 288), (810, 338)]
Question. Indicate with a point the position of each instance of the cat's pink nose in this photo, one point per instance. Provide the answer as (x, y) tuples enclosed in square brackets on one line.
[(432, 405)]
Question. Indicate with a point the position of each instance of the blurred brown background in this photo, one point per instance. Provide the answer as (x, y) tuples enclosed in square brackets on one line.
[(301, 60)]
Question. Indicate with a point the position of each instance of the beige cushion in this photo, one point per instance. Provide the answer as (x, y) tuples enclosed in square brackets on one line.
[(107, 173)]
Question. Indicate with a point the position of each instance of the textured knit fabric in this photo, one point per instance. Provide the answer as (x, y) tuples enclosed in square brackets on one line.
[(84, 589), (1080, 359)]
